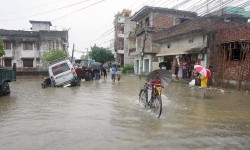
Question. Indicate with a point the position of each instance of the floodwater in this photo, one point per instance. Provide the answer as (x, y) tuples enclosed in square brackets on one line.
[(106, 115)]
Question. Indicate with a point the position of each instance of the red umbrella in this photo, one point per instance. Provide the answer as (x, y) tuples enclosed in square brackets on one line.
[(202, 70)]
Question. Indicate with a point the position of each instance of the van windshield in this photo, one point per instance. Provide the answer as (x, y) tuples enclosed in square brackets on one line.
[(60, 68)]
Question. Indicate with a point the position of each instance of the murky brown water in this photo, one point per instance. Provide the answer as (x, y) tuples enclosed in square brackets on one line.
[(106, 115)]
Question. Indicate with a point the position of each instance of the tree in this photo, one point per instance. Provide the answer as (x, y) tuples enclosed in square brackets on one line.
[(2, 52), (100, 54), (54, 55)]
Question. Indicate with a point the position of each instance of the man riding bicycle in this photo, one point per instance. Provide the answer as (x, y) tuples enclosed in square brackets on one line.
[(155, 83)]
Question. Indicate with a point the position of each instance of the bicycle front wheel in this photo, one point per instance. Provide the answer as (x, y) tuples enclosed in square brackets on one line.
[(143, 97), (156, 106)]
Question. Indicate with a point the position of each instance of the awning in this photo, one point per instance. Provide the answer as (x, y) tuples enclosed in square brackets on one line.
[(180, 51)]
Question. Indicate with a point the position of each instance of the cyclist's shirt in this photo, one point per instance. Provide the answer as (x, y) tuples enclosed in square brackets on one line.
[(156, 82)]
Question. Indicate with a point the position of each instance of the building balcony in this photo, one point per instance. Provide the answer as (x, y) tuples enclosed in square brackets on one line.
[(28, 54), (120, 51), (121, 35), (8, 53), (121, 20)]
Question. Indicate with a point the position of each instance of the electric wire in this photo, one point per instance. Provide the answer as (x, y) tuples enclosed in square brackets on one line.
[(78, 10), (49, 11), (31, 8), (202, 6)]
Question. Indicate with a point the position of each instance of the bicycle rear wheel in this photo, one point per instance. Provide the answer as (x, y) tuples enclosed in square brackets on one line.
[(156, 106), (143, 97)]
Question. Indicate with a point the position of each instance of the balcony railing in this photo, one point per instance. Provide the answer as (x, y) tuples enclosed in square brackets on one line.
[(120, 51), (8, 53), (120, 35)]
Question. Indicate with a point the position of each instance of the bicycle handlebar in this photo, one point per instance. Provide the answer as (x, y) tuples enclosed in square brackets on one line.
[(148, 83)]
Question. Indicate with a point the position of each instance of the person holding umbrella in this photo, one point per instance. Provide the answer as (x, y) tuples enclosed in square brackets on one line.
[(203, 85), (204, 74), (113, 73)]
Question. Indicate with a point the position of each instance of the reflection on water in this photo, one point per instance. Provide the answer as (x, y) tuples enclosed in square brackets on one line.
[(107, 115)]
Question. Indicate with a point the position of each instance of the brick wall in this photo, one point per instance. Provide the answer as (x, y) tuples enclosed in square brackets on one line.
[(162, 21), (234, 34), (204, 24), (234, 70)]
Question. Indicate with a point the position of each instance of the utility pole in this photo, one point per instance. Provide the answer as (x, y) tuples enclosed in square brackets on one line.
[(72, 53), (142, 52), (87, 56)]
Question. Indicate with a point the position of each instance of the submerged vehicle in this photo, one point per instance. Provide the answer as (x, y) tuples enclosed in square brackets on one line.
[(61, 73), (6, 75)]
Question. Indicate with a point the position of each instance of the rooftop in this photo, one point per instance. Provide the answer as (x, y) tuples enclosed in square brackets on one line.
[(147, 9), (45, 22)]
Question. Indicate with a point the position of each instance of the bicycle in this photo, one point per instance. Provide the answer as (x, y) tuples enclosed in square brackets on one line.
[(155, 102)]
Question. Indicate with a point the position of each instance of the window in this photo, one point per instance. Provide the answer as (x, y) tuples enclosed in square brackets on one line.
[(147, 22), (183, 20), (7, 45), (7, 62), (139, 42), (60, 69), (27, 46), (120, 45), (27, 62), (235, 54)]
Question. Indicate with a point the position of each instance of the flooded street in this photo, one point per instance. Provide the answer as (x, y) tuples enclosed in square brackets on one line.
[(106, 115)]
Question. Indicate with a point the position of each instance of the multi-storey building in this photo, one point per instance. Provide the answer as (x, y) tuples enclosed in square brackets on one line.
[(128, 44), (219, 41), (26, 48), (191, 41), (123, 25), (119, 38), (149, 20)]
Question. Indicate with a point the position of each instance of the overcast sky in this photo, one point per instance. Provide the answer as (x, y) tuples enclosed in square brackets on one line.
[(88, 21)]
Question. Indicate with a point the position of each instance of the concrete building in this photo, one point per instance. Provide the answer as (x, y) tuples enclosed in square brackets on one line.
[(26, 48), (212, 41), (128, 44), (191, 40), (149, 20), (119, 38)]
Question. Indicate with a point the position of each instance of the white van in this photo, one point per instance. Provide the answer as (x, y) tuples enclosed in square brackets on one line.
[(62, 73)]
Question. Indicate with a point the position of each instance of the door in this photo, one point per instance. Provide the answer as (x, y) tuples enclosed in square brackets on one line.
[(147, 65), (137, 66)]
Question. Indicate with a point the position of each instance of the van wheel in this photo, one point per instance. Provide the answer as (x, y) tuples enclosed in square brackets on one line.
[(5, 89), (53, 83), (78, 83)]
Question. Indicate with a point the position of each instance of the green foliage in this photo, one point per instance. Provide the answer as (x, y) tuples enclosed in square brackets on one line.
[(2, 52), (54, 55), (127, 67), (100, 54), (119, 14)]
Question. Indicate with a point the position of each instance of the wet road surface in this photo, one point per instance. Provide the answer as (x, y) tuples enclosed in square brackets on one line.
[(106, 115)]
